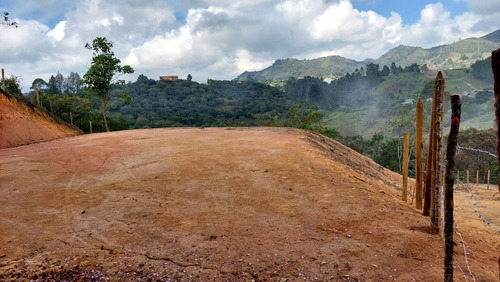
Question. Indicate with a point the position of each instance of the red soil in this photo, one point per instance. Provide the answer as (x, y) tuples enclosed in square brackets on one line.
[(22, 123), (268, 204)]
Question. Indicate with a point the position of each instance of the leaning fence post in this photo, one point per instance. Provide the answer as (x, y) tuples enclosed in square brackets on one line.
[(467, 178), (495, 66), (406, 149), (448, 194), (419, 151)]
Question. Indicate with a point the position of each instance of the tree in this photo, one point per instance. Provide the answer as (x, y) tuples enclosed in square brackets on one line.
[(38, 84), (315, 93), (72, 83), (104, 71), (385, 71), (372, 70), (189, 77), (12, 86), (37, 87), (52, 86), (59, 82), (304, 116), (5, 21)]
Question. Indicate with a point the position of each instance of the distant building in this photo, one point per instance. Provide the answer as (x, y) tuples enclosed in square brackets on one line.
[(169, 77)]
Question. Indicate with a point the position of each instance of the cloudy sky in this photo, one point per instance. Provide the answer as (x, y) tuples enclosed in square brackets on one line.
[(220, 39)]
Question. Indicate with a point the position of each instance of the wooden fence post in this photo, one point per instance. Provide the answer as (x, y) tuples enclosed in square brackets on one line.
[(448, 195), (488, 180), (458, 179), (406, 149), (437, 157), (419, 151), (495, 66), (467, 178), (429, 169), (477, 178)]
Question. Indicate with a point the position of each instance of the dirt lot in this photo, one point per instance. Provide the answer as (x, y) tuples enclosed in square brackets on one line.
[(263, 204)]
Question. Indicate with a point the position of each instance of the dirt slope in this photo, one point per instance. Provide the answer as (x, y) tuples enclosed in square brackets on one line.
[(23, 123), (268, 204)]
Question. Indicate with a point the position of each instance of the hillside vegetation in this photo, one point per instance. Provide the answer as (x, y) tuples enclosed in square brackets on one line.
[(460, 54), (331, 67)]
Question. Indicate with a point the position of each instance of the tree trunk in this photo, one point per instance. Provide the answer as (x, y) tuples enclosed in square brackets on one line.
[(419, 175), (448, 195), (37, 92), (495, 66), (104, 110), (406, 147)]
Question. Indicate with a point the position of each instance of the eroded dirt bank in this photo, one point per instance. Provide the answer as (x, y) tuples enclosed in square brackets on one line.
[(217, 204), (22, 123)]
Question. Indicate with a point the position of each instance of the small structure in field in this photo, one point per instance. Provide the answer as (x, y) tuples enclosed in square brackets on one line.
[(169, 77)]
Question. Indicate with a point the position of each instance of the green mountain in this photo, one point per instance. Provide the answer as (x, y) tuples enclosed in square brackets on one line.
[(331, 67), (460, 54)]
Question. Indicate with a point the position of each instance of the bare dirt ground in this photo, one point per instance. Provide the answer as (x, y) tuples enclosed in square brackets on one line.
[(187, 204)]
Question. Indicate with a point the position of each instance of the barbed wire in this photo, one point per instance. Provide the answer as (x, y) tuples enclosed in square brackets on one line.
[(465, 255), (476, 150), (474, 202)]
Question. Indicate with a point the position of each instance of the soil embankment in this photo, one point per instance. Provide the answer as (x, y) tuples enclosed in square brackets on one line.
[(216, 204), (23, 123)]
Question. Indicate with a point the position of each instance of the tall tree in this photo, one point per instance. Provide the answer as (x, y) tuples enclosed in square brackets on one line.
[(59, 80), (72, 83), (52, 86), (104, 71)]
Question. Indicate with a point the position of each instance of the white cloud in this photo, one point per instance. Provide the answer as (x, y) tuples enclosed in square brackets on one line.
[(436, 27), (221, 39), (484, 7), (58, 32)]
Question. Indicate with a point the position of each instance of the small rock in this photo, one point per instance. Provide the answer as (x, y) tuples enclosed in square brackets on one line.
[(374, 265), (323, 262), (348, 236)]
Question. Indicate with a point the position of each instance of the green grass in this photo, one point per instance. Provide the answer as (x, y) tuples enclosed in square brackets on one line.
[(458, 81), (350, 122)]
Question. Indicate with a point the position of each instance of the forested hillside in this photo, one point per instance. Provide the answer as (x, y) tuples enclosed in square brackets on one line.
[(188, 103), (460, 54), (331, 67)]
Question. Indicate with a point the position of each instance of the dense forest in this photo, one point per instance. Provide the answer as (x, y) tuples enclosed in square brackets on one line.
[(149, 103)]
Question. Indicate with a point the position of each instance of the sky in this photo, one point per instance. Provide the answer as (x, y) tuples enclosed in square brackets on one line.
[(220, 39)]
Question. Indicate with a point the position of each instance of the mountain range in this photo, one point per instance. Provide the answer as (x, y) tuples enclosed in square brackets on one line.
[(460, 54)]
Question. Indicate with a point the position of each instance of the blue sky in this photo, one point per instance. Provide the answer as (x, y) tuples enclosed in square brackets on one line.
[(408, 9), (220, 39)]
